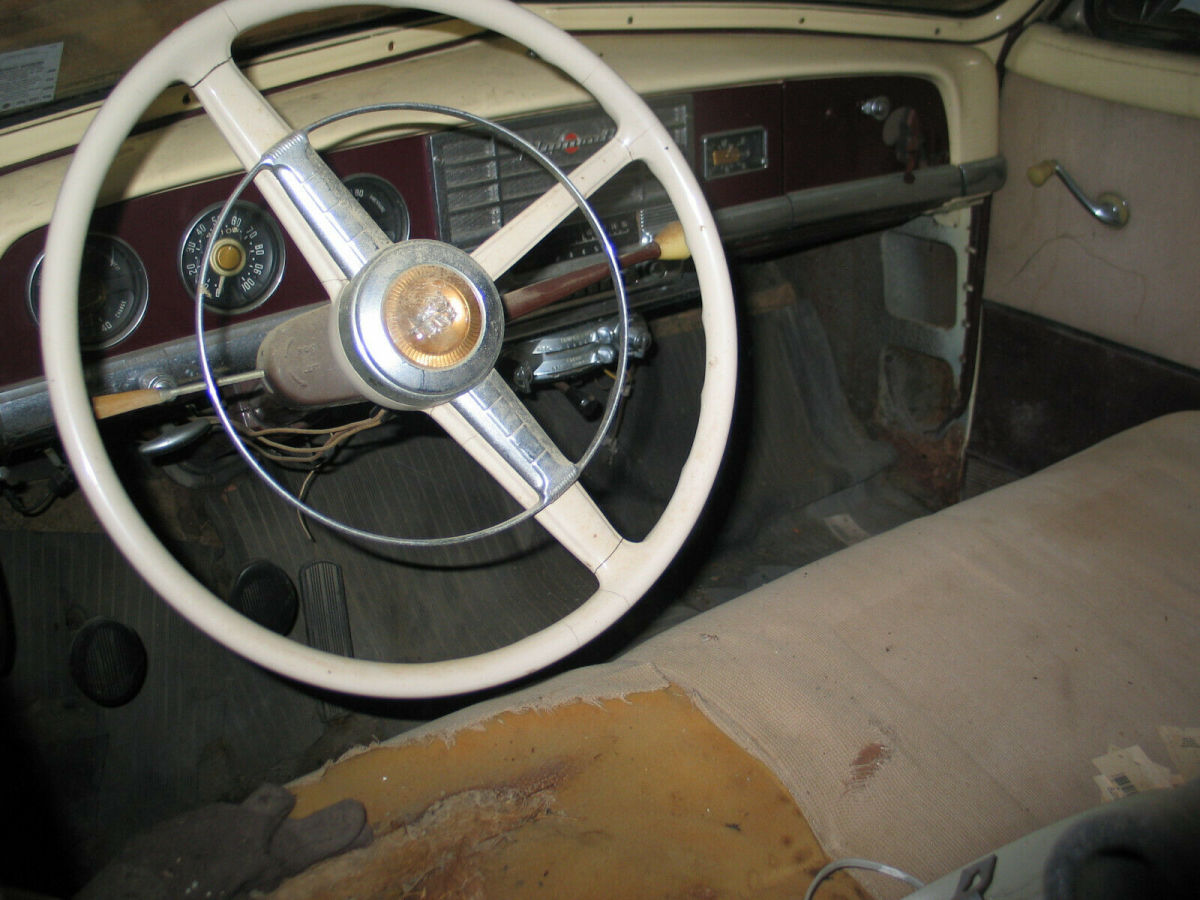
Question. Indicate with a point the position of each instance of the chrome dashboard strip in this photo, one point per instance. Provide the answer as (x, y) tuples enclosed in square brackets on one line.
[(929, 190), (25, 416)]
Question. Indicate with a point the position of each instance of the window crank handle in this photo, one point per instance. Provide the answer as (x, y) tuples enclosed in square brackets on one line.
[(1109, 208)]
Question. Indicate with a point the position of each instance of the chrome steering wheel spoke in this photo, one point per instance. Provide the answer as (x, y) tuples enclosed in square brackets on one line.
[(498, 431), (507, 427), (344, 228), (334, 233)]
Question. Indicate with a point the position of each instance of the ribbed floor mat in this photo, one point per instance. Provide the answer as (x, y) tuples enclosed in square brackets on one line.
[(789, 449), (407, 605), (208, 726), (204, 725)]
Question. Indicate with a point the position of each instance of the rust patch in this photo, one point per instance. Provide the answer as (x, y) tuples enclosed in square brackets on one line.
[(929, 467), (869, 761), (777, 296), (678, 323)]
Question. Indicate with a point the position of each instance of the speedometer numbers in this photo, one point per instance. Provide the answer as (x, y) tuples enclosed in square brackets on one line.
[(245, 259)]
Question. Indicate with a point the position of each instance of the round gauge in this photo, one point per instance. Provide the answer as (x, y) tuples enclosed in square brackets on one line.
[(382, 202), (245, 262), (113, 291)]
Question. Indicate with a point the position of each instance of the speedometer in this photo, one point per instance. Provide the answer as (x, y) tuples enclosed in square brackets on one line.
[(245, 262)]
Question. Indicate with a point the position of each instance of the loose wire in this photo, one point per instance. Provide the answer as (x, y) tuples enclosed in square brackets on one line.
[(311, 455), (854, 863)]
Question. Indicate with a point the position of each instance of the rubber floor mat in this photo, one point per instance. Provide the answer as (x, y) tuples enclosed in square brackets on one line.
[(795, 441), (205, 724)]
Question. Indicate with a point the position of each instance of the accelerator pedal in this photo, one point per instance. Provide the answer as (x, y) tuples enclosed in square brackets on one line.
[(264, 593), (326, 618)]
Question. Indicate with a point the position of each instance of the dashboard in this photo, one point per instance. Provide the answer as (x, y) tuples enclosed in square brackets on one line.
[(777, 160)]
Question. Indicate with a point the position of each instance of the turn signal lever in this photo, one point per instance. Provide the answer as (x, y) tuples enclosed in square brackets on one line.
[(106, 406), (1109, 208), (668, 244)]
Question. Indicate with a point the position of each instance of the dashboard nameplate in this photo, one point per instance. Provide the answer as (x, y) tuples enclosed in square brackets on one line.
[(730, 153)]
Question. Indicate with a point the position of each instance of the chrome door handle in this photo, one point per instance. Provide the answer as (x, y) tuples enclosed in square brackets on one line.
[(1109, 208)]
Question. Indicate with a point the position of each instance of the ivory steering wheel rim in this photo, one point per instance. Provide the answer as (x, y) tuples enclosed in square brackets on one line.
[(624, 569)]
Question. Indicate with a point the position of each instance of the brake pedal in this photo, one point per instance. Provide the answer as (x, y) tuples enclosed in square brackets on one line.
[(108, 661), (326, 618), (264, 593)]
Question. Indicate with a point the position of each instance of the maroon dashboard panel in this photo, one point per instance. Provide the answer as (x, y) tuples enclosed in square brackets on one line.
[(155, 225), (764, 141), (751, 143), (830, 139)]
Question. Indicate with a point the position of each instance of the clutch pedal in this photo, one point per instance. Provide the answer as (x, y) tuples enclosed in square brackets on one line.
[(264, 593)]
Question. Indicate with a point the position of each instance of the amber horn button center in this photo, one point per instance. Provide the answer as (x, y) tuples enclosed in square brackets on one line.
[(434, 316)]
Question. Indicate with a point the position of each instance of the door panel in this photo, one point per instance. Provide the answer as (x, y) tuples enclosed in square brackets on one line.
[(1138, 286)]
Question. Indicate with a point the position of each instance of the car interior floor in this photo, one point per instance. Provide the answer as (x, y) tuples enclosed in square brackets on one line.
[(803, 477)]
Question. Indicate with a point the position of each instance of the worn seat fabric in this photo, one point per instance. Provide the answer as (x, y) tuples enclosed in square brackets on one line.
[(939, 690)]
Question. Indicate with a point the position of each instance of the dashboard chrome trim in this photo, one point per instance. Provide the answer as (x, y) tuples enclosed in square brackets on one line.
[(25, 416), (25, 408), (929, 190)]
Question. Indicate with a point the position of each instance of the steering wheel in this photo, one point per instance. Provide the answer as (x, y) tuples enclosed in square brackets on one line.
[(381, 346)]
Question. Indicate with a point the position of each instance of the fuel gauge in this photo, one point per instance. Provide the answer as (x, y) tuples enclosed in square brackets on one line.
[(113, 291), (383, 203), (246, 260)]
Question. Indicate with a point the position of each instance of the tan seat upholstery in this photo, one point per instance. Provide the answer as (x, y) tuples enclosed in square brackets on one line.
[(990, 651), (939, 690)]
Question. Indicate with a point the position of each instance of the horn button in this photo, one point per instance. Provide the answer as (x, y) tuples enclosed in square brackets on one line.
[(420, 324), (434, 316)]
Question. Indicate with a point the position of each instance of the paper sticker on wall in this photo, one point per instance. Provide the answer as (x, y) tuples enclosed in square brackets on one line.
[(29, 77)]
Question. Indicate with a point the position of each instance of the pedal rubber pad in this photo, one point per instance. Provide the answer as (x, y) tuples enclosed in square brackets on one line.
[(108, 661), (264, 593), (326, 619)]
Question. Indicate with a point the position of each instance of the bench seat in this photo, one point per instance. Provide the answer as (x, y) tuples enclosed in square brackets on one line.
[(939, 690)]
